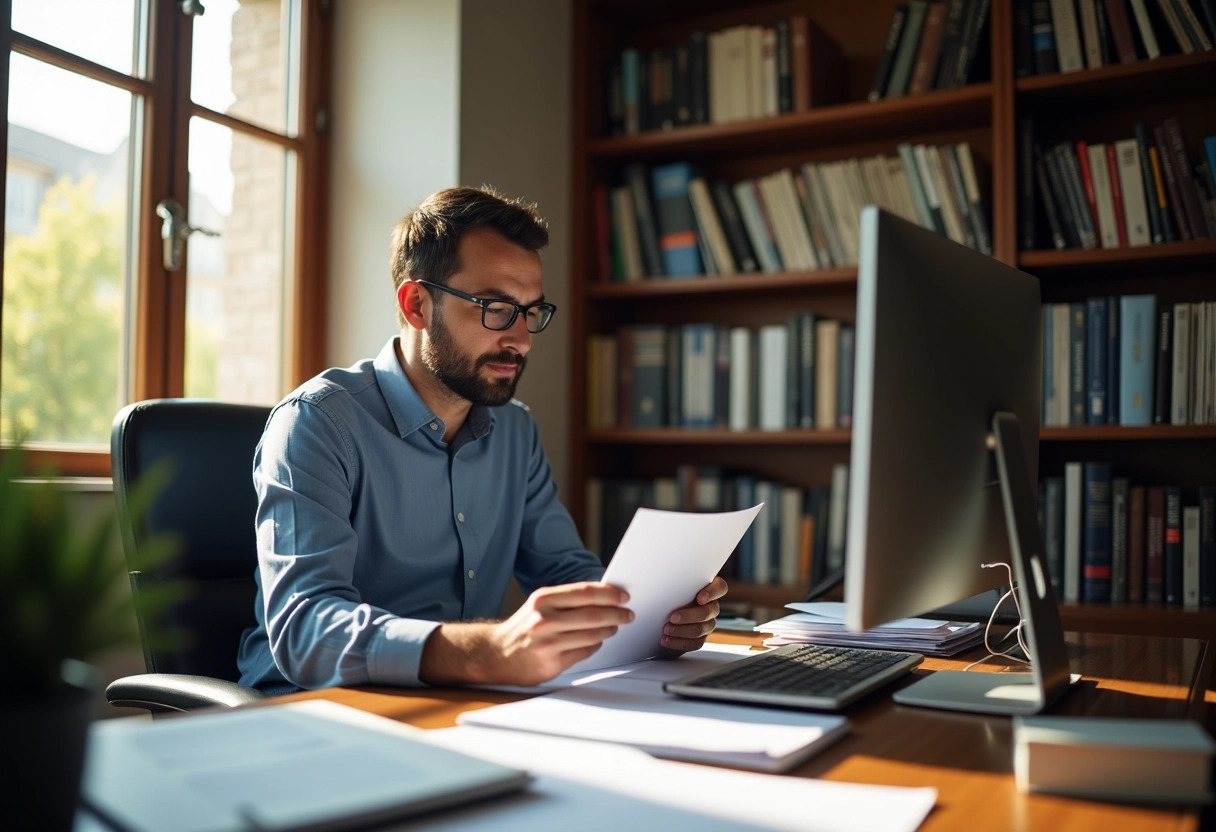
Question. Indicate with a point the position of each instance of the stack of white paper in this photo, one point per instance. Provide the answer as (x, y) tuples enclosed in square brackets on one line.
[(822, 622)]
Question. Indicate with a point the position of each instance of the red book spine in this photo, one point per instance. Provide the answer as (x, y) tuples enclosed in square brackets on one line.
[(1083, 159), (1116, 194)]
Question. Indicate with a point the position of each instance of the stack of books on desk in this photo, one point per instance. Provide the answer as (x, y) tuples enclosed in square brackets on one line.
[(822, 622)]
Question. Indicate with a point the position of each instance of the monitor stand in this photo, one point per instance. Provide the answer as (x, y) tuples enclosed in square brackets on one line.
[(1010, 693)]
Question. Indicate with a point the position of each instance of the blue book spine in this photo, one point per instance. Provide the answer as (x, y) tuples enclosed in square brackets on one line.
[(1112, 360), (1137, 357), (649, 364), (1207, 546), (1076, 364), (757, 226), (1096, 565), (630, 68), (1209, 147), (1046, 411), (1095, 359), (677, 224), (697, 379)]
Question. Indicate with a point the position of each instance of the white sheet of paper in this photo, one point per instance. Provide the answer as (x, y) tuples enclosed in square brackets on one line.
[(663, 560), (833, 612), (595, 787)]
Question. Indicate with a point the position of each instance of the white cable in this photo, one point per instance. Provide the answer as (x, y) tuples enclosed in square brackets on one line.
[(1016, 631)]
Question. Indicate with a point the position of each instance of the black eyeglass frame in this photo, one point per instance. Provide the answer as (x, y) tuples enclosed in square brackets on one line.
[(485, 302)]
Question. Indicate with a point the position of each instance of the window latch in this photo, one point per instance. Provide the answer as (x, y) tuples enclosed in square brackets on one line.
[(174, 230)]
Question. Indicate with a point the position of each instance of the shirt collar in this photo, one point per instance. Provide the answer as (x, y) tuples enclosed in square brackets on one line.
[(409, 411)]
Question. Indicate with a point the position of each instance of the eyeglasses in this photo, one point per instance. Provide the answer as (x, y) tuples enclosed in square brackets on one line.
[(501, 314)]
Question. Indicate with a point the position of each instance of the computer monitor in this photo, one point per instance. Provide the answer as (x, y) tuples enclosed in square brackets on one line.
[(944, 453)]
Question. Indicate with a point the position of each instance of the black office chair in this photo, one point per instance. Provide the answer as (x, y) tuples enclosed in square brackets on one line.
[(209, 503)]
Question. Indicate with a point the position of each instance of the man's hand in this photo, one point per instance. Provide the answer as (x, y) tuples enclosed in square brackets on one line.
[(554, 628), (687, 627)]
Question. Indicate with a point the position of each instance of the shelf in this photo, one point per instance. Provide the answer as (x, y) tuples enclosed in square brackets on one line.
[(717, 436), (1159, 255), (1107, 433), (751, 282), (1126, 85), (838, 123), (1138, 620)]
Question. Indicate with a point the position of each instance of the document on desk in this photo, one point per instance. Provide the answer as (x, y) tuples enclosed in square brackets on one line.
[(663, 560), (312, 765), (636, 711), (594, 787)]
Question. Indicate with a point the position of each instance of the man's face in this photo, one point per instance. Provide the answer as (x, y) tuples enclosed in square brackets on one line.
[(477, 364)]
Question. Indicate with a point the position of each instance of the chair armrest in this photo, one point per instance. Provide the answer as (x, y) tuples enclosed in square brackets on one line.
[(160, 692)]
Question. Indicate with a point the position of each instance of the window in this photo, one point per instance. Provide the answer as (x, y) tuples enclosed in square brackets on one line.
[(130, 121)]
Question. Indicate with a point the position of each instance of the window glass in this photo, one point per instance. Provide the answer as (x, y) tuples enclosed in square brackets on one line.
[(102, 31)]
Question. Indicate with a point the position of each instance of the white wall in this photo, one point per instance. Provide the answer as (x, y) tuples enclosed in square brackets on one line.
[(395, 141), (434, 93)]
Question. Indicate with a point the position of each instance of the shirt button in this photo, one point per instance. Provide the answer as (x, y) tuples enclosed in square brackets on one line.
[(434, 426), (460, 516), (470, 574)]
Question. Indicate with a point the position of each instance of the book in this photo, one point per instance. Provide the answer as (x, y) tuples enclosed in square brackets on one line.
[(1043, 38), (1136, 540), (1140, 760), (677, 225), (1173, 186), (1116, 193), (1097, 557), (1077, 387), (1163, 371), (648, 231), (773, 355), (1113, 329), (648, 360), (1181, 369), (1053, 531), (1095, 360), (1121, 30), (1154, 545), (924, 67), (1135, 197), (1137, 358), (844, 377), (827, 335), (882, 74), (1091, 38), (759, 231), (1190, 557), (303, 765), (1120, 493), (1067, 36), (837, 517), (905, 54), (1145, 27), (1207, 547), (732, 225), (1172, 550), (1104, 205), (1074, 525)]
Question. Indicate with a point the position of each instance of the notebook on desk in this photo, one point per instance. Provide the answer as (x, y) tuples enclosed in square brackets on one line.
[(312, 765)]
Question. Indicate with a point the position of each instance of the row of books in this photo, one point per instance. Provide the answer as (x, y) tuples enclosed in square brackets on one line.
[(796, 374), (1131, 192), (1072, 35), (740, 72), (796, 539), (931, 46), (1127, 361), (671, 221), (1109, 541)]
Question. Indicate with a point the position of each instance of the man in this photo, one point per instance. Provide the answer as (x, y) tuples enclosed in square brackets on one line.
[(398, 496)]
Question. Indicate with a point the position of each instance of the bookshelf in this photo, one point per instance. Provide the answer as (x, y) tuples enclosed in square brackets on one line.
[(1095, 105)]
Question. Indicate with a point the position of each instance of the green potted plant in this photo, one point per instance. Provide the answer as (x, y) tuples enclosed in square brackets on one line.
[(62, 602)]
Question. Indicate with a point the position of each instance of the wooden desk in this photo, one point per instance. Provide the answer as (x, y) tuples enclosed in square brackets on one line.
[(967, 757)]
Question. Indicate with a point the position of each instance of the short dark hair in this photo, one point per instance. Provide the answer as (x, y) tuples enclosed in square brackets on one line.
[(426, 239)]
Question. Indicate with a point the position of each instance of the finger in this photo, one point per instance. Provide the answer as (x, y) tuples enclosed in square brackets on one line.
[(580, 639), (584, 594), (690, 631), (716, 589), (688, 615), (555, 623), (684, 645)]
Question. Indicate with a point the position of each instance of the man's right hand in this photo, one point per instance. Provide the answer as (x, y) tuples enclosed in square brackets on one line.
[(555, 627)]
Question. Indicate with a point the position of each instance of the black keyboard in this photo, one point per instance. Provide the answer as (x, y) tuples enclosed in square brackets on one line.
[(799, 675)]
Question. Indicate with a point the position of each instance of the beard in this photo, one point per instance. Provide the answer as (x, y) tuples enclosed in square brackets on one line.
[(462, 374)]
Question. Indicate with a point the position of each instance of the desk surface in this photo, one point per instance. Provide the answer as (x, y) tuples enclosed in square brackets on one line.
[(967, 757)]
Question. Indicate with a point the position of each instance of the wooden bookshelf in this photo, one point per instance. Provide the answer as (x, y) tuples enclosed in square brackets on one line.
[(1096, 105)]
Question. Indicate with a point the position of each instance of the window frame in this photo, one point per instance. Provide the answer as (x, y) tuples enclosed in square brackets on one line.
[(159, 336)]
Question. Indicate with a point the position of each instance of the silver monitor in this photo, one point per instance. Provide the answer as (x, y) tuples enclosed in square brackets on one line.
[(944, 452)]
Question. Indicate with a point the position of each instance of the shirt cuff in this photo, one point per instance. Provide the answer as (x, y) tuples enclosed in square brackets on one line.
[(395, 654)]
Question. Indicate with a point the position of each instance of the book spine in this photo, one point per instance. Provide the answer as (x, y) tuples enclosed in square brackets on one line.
[(649, 375), (1119, 493), (698, 77), (1095, 360), (806, 370), (1077, 363), (1137, 316), (1155, 219), (1068, 38), (1047, 415), (1176, 149), (648, 233), (785, 98), (928, 51), (969, 45), (1112, 359), (909, 39), (1173, 184), (732, 225), (844, 377), (1096, 574), (1180, 388), (1135, 199), (1145, 26), (1121, 30), (1043, 38), (1136, 537), (1116, 194), (1074, 501), (1053, 530), (883, 74), (677, 225), (1190, 557), (1172, 551), (1154, 546), (1207, 547), (1163, 371)]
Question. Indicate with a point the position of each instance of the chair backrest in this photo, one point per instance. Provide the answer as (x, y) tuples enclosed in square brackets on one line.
[(210, 504)]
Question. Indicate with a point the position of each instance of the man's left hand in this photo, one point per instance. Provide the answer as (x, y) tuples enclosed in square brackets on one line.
[(687, 627)]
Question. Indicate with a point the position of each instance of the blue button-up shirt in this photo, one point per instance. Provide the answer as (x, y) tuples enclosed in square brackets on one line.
[(371, 529)]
